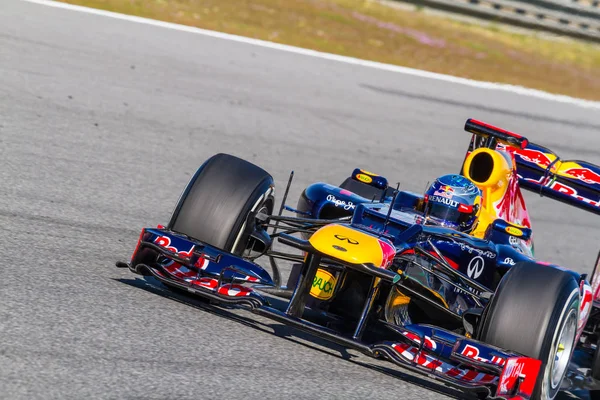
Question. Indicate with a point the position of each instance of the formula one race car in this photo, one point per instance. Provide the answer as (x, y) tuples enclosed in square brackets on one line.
[(443, 284)]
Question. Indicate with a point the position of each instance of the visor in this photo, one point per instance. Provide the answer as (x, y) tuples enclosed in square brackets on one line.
[(443, 215)]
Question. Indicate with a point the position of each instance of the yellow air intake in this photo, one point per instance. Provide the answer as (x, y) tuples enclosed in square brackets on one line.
[(490, 171)]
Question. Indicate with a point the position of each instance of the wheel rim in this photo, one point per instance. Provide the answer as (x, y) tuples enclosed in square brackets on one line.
[(260, 203), (561, 353)]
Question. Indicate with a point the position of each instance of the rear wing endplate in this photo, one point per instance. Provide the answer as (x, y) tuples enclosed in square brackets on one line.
[(540, 170)]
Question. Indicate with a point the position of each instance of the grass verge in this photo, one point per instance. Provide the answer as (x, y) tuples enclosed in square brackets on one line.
[(372, 30)]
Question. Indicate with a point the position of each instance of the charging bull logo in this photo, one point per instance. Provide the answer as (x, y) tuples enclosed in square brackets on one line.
[(583, 174), (537, 157), (445, 191), (568, 169)]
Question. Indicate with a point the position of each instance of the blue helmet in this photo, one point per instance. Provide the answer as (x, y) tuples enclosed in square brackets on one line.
[(453, 201)]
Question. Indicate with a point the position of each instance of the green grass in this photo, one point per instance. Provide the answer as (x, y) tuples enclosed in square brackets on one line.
[(371, 30)]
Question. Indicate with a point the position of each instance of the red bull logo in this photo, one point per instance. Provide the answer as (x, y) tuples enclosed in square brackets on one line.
[(537, 157), (562, 188), (445, 191), (569, 169), (534, 156), (583, 174)]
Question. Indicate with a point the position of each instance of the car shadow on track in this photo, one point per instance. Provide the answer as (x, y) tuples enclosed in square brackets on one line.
[(288, 333)]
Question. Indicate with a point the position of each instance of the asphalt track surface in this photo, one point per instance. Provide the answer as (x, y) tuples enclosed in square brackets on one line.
[(102, 122)]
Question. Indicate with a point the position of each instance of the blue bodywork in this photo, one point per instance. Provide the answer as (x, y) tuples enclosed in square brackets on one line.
[(499, 252)]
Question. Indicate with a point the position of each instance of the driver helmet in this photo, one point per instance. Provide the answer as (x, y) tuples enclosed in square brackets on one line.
[(453, 201)]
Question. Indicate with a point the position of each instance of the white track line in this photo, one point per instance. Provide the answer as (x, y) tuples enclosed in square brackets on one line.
[(348, 60)]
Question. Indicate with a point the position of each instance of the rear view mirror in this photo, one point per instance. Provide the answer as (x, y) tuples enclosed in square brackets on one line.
[(501, 226)]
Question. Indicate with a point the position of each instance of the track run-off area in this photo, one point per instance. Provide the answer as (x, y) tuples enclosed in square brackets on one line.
[(103, 121)]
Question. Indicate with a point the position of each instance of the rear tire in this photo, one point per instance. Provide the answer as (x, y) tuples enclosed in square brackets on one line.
[(534, 312), (215, 205)]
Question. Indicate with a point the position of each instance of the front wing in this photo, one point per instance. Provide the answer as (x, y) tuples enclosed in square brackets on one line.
[(455, 360)]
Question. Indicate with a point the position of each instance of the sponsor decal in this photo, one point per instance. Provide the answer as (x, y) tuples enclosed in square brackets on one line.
[(467, 290), (443, 194), (534, 156), (440, 199), (444, 191), (515, 368), (584, 174), (165, 241), (339, 248), (341, 203), (364, 178), (564, 189), (509, 261), (513, 241), (472, 250), (561, 188), (463, 208), (475, 267), (323, 285), (473, 352), (537, 157), (511, 230), (511, 373), (347, 239)]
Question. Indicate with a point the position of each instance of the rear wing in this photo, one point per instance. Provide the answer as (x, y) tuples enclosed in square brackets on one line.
[(540, 170)]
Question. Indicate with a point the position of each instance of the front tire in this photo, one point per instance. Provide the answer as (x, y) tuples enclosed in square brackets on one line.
[(216, 203), (534, 312)]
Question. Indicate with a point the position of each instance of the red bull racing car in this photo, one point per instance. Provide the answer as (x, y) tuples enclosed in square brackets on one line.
[(443, 283)]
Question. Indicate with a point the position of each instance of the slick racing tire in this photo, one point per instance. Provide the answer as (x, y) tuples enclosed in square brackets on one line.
[(215, 206), (535, 312)]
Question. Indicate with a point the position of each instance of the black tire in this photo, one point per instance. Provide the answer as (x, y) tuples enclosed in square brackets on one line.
[(531, 306), (215, 205)]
